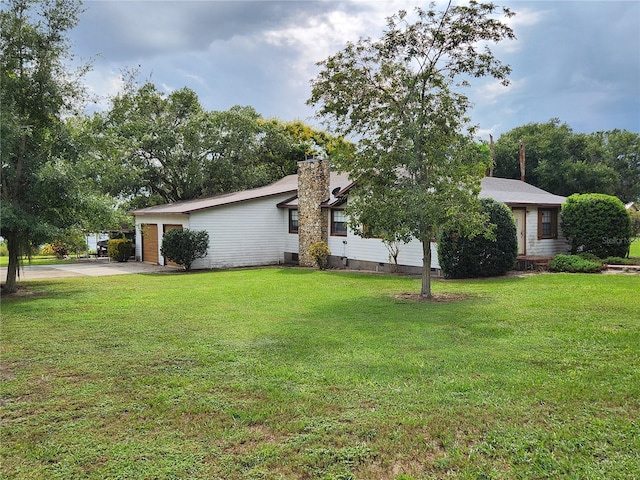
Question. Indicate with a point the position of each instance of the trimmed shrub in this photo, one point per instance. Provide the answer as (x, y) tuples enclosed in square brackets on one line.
[(59, 249), (119, 249), (596, 223), (184, 246), (574, 264), (621, 261), (320, 252), (463, 257)]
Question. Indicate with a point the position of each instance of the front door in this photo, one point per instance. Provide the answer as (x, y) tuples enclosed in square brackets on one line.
[(520, 215), (150, 242)]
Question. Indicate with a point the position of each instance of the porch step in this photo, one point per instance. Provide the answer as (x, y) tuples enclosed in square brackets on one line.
[(530, 262)]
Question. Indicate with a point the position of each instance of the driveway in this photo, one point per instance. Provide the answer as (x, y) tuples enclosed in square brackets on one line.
[(100, 267)]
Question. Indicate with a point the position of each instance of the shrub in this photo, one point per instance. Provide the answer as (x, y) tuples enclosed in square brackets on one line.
[(590, 256), (463, 257), (574, 264), (119, 249), (59, 249), (184, 246), (621, 261), (596, 223), (320, 252)]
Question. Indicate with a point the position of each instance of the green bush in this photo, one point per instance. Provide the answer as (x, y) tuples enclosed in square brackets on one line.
[(4, 251), (596, 223), (621, 261), (184, 246), (59, 249), (463, 257), (591, 257), (119, 249), (574, 264), (320, 252)]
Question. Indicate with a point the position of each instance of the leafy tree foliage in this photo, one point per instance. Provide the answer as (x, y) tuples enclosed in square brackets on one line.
[(596, 223), (184, 246), (563, 162), (41, 190), (416, 166), (463, 256), (152, 147)]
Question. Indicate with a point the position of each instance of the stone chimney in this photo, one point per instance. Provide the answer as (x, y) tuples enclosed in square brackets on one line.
[(313, 222)]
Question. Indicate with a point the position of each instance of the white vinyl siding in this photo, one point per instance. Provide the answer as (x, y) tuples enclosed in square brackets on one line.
[(243, 234), (546, 247)]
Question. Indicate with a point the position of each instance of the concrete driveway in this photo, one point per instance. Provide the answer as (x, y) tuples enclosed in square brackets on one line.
[(94, 267)]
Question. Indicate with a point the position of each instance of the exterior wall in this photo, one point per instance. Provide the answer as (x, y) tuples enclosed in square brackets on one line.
[(159, 220), (544, 247), (290, 241), (373, 250), (313, 189), (243, 234)]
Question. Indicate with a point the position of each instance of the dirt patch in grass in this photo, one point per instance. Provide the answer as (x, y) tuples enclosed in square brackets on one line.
[(436, 297), (20, 292)]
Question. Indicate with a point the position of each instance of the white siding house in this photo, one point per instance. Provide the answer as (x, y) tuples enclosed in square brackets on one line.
[(258, 226)]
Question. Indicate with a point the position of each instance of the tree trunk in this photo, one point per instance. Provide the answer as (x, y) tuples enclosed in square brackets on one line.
[(426, 267), (14, 264)]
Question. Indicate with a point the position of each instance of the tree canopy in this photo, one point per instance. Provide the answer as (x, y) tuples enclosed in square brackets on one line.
[(416, 165), (564, 162), (152, 147), (42, 192)]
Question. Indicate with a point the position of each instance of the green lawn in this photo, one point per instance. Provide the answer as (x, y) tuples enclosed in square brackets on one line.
[(635, 248), (38, 260), (289, 373)]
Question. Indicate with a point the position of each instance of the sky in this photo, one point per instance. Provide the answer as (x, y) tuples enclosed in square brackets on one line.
[(578, 61)]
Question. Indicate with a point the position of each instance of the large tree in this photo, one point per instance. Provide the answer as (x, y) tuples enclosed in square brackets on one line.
[(153, 147), (41, 193), (564, 162), (415, 153)]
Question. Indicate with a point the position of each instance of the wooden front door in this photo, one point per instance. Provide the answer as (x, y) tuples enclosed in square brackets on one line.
[(150, 242), (520, 215)]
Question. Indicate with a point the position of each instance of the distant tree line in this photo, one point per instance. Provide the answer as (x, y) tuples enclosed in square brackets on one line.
[(564, 162), (151, 147)]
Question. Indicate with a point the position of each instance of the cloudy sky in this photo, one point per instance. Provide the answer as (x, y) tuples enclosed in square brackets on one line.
[(575, 60)]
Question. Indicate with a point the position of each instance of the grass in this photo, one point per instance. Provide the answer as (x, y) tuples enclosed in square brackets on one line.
[(288, 373), (635, 248), (38, 260)]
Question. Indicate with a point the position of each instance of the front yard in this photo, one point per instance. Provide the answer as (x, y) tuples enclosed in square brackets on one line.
[(290, 373)]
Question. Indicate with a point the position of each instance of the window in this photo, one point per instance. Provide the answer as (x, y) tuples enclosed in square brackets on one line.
[(338, 223), (547, 223), (293, 221)]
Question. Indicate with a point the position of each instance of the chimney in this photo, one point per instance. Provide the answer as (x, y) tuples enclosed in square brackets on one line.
[(521, 157), (313, 222)]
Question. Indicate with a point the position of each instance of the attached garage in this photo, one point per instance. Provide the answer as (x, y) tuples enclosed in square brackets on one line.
[(150, 243)]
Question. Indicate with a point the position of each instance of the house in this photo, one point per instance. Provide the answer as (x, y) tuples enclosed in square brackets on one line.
[(277, 223)]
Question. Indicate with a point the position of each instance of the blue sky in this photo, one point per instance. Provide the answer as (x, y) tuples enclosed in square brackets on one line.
[(575, 60)]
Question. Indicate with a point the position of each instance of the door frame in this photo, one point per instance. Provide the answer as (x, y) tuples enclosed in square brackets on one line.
[(521, 234)]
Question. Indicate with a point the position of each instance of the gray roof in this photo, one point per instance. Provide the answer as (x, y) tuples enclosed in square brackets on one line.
[(517, 192), (287, 184), (511, 192)]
